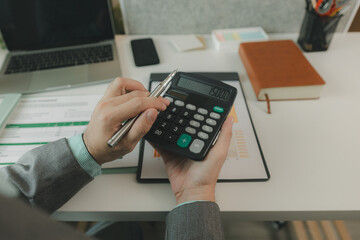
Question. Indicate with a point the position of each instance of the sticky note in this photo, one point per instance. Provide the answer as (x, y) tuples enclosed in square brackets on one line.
[(186, 43)]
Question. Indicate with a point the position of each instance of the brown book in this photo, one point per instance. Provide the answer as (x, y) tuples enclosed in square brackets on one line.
[(280, 70)]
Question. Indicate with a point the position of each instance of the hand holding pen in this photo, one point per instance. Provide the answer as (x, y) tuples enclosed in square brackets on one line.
[(128, 124), (123, 99)]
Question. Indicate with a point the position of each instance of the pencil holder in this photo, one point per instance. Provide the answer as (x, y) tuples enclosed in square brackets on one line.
[(317, 31)]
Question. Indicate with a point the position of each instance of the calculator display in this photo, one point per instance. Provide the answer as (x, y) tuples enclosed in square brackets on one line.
[(203, 88)]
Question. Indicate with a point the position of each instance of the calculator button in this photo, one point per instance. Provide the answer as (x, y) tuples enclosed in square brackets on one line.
[(170, 99), (211, 122), (169, 137), (191, 107), (175, 129), (202, 111), (186, 113), (157, 132), (181, 121), (161, 114), (169, 117), (218, 109), (207, 128), (199, 117), (194, 123), (196, 146), (174, 110), (179, 103), (163, 124), (184, 140), (190, 130), (203, 135), (215, 115)]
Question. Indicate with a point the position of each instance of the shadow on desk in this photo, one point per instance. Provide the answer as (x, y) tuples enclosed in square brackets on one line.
[(292, 230)]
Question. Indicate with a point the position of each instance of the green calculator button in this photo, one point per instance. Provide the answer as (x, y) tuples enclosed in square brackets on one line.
[(184, 140), (218, 109)]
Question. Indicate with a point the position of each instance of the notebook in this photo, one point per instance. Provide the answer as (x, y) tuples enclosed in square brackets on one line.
[(280, 70)]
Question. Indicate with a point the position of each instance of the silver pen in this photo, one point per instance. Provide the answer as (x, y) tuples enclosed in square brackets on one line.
[(114, 140)]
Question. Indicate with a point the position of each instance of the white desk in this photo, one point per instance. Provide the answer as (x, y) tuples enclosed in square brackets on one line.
[(311, 146)]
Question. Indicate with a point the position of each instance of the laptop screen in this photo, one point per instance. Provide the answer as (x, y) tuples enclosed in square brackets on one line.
[(41, 24)]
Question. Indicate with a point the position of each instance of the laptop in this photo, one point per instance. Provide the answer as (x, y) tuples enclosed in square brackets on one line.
[(56, 44)]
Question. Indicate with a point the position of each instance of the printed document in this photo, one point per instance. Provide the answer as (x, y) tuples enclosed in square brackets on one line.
[(39, 120)]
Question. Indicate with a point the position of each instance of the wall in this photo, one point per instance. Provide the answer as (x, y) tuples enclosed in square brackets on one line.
[(201, 16)]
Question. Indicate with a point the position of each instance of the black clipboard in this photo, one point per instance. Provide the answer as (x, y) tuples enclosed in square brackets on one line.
[(228, 76)]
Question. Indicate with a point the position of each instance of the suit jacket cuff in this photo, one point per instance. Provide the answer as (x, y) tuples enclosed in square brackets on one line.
[(48, 176), (86, 161), (198, 220)]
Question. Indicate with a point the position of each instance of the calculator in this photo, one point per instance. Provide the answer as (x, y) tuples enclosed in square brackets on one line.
[(191, 123)]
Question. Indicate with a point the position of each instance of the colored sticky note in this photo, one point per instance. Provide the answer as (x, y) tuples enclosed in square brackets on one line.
[(228, 36), (252, 35)]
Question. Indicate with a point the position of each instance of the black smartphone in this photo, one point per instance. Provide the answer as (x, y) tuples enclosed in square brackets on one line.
[(144, 52)]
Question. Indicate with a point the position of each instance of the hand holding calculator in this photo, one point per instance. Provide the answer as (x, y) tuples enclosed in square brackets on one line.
[(192, 122)]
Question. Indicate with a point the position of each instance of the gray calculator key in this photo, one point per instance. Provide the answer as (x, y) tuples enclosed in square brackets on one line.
[(194, 123), (203, 135), (170, 99), (190, 107), (190, 130), (215, 115), (211, 122), (196, 146), (207, 128), (202, 111), (199, 117), (179, 103)]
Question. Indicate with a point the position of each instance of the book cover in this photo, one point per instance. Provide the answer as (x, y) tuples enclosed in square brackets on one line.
[(280, 70)]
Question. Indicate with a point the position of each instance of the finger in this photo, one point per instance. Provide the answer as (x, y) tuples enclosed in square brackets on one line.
[(218, 153), (127, 97), (169, 155), (114, 101), (120, 86), (141, 126), (134, 107)]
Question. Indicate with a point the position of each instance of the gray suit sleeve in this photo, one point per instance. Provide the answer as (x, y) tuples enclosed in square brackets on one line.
[(48, 176), (198, 220), (19, 221)]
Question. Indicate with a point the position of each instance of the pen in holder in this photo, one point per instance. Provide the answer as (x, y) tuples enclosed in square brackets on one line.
[(317, 31)]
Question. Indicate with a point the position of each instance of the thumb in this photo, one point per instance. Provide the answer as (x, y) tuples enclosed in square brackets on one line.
[(142, 125), (218, 153)]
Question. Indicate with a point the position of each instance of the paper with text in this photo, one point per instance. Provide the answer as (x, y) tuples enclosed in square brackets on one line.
[(39, 120)]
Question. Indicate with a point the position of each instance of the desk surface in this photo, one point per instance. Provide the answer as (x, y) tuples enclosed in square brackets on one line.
[(311, 146)]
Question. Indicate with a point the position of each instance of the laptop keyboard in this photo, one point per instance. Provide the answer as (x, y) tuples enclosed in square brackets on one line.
[(58, 59)]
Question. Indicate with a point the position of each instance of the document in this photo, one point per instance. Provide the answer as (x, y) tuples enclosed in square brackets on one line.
[(7, 104), (39, 120), (244, 161)]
